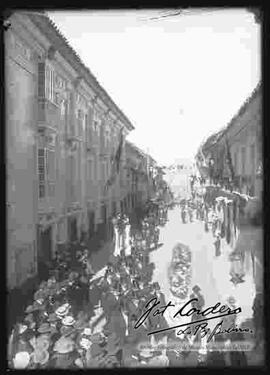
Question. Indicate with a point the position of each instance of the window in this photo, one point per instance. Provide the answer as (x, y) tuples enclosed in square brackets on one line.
[(71, 175), (252, 159), (41, 80), (46, 172), (41, 171), (107, 137), (80, 120), (108, 171), (63, 108), (96, 122), (51, 167), (61, 231), (236, 162), (85, 122), (90, 169), (49, 83), (103, 172), (88, 131), (54, 84), (243, 152)]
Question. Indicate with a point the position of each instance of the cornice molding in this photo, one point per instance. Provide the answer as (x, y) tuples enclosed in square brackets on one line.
[(52, 32), (22, 25)]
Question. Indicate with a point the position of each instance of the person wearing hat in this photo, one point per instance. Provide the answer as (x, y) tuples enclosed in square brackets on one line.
[(157, 292), (216, 357), (144, 356), (196, 293), (117, 324), (258, 318), (237, 358), (217, 244), (229, 320)]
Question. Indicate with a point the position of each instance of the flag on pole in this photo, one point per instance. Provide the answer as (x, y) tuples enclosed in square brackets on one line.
[(115, 162), (229, 158), (119, 151), (201, 157)]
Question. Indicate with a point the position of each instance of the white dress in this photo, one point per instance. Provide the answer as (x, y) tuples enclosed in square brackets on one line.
[(127, 240), (117, 242)]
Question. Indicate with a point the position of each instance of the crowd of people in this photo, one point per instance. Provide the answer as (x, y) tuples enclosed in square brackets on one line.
[(223, 213), (85, 319), (82, 319)]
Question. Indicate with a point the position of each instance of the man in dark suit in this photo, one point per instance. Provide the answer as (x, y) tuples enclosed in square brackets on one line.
[(196, 293)]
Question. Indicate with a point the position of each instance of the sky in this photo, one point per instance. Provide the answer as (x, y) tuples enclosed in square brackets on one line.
[(178, 79)]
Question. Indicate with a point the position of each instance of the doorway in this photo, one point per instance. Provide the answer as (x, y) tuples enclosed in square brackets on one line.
[(72, 229), (91, 223), (104, 214), (44, 251)]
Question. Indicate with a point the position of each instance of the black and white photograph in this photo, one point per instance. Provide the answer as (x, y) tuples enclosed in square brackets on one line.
[(134, 188)]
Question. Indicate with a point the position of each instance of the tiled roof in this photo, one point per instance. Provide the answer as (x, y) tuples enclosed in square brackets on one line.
[(214, 138), (138, 150), (61, 43), (255, 92)]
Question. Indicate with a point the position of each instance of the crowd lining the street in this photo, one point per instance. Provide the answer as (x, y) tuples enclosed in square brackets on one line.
[(80, 319), (223, 213)]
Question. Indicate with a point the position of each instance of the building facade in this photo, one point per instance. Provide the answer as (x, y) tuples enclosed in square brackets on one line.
[(63, 131), (141, 170), (235, 153)]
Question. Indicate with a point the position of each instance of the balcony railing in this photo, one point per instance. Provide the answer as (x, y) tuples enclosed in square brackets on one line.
[(105, 150), (94, 140)]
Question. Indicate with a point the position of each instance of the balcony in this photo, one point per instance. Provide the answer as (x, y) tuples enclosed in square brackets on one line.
[(92, 142), (48, 114), (91, 149), (73, 139), (105, 148), (105, 152)]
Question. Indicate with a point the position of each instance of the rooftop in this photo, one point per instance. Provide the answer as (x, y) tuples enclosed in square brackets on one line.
[(48, 27), (214, 138)]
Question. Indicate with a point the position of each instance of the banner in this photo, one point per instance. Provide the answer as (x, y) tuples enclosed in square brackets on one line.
[(229, 159), (115, 162)]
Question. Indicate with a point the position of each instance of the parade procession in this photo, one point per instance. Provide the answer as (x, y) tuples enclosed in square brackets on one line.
[(85, 319), (132, 251), (82, 319)]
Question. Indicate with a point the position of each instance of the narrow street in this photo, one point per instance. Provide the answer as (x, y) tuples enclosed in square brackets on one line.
[(134, 214), (211, 273)]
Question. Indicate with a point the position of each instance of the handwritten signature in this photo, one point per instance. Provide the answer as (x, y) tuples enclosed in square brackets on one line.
[(201, 324)]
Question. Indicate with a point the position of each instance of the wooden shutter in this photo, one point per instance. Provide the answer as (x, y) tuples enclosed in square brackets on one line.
[(243, 161), (42, 171), (47, 82), (79, 123), (41, 80), (252, 159), (51, 172)]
